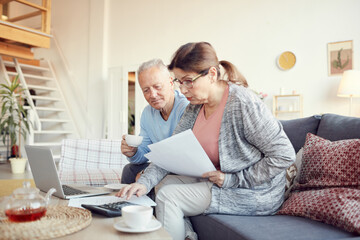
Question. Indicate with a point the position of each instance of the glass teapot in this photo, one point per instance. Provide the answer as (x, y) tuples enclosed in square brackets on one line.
[(26, 204)]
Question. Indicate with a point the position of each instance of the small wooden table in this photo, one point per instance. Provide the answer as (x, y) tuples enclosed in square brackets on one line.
[(100, 227), (7, 186)]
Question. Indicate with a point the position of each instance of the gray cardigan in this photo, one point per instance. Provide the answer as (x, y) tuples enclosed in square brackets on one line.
[(254, 153)]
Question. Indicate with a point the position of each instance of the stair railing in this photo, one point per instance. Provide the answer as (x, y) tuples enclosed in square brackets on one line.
[(44, 10), (31, 117), (27, 94), (3, 70)]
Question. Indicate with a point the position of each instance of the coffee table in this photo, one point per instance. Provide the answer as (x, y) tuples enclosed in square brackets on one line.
[(100, 227)]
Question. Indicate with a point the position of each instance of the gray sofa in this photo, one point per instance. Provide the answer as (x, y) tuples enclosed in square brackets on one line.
[(229, 227)]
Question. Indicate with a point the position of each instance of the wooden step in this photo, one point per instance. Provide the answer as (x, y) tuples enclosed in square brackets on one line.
[(50, 109), (54, 120), (47, 144), (41, 88), (31, 67), (38, 77), (53, 132), (45, 98), (32, 76), (33, 62)]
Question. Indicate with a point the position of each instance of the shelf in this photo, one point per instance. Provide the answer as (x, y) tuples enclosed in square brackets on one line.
[(287, 106), (287, 111), (290, 95)]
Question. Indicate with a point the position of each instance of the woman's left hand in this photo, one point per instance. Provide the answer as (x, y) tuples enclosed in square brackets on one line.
[(216, 177)]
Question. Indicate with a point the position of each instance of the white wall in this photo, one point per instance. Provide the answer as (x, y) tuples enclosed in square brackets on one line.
[(80, 29), (70, 23), (249, 33)]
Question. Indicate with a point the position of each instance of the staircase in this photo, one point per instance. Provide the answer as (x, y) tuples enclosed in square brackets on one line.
[(47, 107)]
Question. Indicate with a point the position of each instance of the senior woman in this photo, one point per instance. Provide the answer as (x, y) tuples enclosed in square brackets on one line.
[(246, 144)]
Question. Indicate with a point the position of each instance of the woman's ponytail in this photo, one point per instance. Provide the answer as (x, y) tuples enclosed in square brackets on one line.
[(232, 74)]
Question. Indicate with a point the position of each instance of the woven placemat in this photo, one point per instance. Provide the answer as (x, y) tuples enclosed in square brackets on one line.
[(59, 221)]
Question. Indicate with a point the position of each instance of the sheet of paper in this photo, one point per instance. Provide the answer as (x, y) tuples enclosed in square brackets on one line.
[(143, 200), (181, 154)]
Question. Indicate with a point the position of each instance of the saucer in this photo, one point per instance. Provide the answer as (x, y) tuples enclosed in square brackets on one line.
[(152, 226), (115, 186)]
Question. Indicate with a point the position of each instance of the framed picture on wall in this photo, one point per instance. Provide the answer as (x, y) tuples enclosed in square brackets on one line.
[(340, 57)]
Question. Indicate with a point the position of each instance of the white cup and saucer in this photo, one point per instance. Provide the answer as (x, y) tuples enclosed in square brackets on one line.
[(137, 219)]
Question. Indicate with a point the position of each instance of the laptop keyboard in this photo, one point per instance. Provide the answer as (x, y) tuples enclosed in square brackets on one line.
[(72, 191)]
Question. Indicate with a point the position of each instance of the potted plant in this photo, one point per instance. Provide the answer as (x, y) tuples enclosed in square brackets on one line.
[(13, 121)]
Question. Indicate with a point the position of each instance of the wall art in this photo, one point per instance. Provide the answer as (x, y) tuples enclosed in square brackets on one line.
[(340, 57)]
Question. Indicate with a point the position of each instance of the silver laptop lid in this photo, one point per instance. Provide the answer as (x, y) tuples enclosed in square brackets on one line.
[(46, 176), (44, 170)]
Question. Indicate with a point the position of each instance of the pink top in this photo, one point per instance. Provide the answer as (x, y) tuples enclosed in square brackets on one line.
[(207, 130)]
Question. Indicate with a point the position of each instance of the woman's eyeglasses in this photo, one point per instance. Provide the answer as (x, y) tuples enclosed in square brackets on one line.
[(189, 83)]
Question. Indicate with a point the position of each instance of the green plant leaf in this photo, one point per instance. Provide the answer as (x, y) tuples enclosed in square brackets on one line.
[(13, 120)]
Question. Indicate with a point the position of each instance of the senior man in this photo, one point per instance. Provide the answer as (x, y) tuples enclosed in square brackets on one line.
[(158, 119)]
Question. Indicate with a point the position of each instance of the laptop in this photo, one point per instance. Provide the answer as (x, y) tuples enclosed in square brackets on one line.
[(46, 176)]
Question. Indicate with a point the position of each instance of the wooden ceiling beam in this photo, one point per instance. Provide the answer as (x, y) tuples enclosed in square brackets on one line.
[(24, 36), (16, 51)]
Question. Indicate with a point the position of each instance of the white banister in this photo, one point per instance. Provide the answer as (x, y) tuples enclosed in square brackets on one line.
[(3, 69), (31, 118), (27, 93)]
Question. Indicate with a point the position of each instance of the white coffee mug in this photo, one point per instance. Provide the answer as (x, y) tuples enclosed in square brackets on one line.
[(133, 140), (137, 217)]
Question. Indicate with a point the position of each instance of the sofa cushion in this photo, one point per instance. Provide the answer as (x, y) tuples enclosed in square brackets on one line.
[(228, 227), (329, 186), (95, 162), (329, 164), (297, 129), (93, 177), (335, 127), (335, 206)]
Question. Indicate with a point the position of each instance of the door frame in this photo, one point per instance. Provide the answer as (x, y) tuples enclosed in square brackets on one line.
[(117, 101)]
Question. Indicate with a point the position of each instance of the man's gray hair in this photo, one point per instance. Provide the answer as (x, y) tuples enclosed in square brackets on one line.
[(153, 63)]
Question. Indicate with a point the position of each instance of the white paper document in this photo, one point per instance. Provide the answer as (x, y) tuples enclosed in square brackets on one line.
[(143, 200), (181, 154)]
